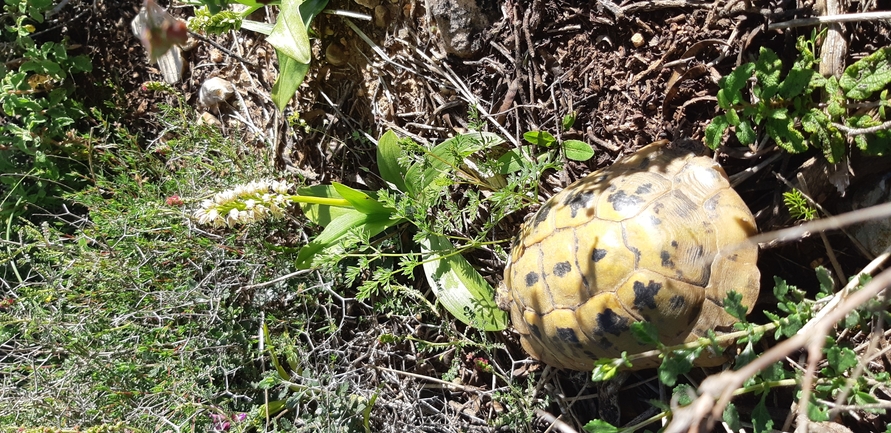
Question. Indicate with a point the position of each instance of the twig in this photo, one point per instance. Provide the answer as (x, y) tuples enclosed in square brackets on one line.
[(222, 48), (843, 18), (862, 131), (716, 391)]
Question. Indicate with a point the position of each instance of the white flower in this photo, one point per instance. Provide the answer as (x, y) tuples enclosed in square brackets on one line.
[(244, 204)]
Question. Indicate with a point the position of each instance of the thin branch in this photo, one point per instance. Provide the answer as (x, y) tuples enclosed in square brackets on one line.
[(844, 18)]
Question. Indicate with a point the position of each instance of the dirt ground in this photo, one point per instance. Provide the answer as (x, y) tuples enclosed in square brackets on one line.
[(634, 72)]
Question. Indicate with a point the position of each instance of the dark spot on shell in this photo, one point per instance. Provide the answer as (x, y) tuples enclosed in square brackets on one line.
[(644, 163), (676, 303), (602, 178), (658, 207), (567, 335), (609, 321), (542, 213), (590, 354), (535, 331), (645, 295), (711, 204), (666, 259), (531, 279), (562, 268), (643, 189), (578, 201), (605, 344), (674, 244), (622, 201), (733, 257), (654, 220), (598, 254)]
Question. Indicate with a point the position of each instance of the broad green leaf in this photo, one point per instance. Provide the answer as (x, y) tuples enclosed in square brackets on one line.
[(290, 75), (645, 333), (459, 287), (715, 131), (539, 138), (289, 35), (361, 201), (761, 419), (569, 121), (577, 150), (445, 158), (867, 75), (512, 161), (388, 153), (877, 143), (767, 71), (734, 82), (338, 228), (796, 81), (257, 26), (732, 117), (745, 134), (317, 213)]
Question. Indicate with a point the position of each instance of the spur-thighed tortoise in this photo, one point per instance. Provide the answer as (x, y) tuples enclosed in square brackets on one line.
[(643, 240)]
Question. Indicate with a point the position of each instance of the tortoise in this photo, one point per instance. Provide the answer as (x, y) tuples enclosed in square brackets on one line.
[(645, 239)]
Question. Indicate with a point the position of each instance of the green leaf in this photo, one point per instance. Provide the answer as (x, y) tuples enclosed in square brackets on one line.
[(715, 131), (867, 75), (446, 157), (678, 363), (841, 359), (646, 333), (361, 201), (577, 150), (290, 75), (289, 35), (723, 100), (826, 282), (734, 82), (732, 117), (459, 287), (388, 153), (767, 71), (731, 417), (796, 81), (539, 138), (338, 228), (781, 128), (761, 420), (512, 161), (733, 305), (745, 134), (271, 408), (599, 426), (317, 213), (568, 121)]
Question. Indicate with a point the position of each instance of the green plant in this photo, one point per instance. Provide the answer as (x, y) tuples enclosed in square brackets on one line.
[(289, 35), (42, 151), (351, 218), (798, 206), (784, 107), (575, 150)]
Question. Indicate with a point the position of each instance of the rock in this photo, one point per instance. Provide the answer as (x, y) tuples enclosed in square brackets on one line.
[(214, 92), (381, 16), (336, 54), (461, 24)]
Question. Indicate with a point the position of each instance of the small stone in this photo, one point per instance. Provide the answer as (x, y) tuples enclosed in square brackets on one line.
[(336, 54), (214, 92), (638, 40), (209, 119)]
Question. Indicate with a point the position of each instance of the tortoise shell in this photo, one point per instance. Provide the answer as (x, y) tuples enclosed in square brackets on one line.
[(642, 240)]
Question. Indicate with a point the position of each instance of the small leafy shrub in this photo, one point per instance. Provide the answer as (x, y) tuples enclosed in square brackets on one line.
[(803, 108), (41, 150)]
